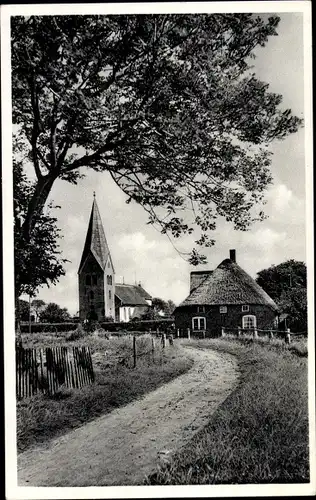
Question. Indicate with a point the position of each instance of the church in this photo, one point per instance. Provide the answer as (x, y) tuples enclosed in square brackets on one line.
[(99, 297)]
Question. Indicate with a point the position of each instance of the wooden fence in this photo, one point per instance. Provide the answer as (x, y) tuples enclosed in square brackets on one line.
[(46, 370)]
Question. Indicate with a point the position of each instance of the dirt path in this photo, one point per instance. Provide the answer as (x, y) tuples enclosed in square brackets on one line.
[(124, 446)]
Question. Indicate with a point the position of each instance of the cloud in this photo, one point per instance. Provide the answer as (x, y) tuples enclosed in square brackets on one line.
[(76, 226), (153, 262), (284, 206), (281, 197)]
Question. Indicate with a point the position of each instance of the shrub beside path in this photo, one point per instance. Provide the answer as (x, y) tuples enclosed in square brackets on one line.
[(126, 445)]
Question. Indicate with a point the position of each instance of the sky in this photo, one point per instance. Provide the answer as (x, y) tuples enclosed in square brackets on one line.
[(142, 254)]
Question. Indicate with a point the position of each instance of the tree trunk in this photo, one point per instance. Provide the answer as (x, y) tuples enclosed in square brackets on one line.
[(18, 337), (37, 202)]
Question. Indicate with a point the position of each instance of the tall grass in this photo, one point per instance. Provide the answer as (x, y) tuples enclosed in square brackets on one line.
[(260, 433), (41, 417)]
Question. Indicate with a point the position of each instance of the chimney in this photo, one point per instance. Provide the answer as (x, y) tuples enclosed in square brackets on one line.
[(232, 255)]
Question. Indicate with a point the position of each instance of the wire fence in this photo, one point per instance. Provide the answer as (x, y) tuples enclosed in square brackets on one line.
[(149, 348), (286, 335)]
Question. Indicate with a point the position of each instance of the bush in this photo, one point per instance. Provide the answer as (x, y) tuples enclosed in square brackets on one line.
[(76, 334)]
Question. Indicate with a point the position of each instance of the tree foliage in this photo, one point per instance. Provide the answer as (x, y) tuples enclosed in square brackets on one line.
[(53, 313), (276, 280), (167, 104), (24, 310), (38, 304), (286, 283), (159, 309), (37, 258)]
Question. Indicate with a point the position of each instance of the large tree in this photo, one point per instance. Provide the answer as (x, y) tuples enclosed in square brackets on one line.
[(37, 258), (167, 104), (286, 283)]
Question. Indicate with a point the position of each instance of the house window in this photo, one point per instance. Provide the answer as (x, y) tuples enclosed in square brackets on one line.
[(198, 323), (109, 279), (88, 280), (91, 296), (110, 294), (200, 309), (244, 308), (249, 322), (94, 279), (223, 309)]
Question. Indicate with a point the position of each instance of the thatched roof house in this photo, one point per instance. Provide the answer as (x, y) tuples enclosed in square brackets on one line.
[(226, 297)]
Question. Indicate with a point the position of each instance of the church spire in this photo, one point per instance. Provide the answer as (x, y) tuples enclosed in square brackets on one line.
[(95, 240)]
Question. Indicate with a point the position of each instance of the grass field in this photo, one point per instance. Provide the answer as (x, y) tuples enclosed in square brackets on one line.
[(41, 417), (260, 433)]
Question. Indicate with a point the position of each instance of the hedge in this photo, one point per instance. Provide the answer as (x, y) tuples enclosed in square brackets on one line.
[(48, 327), (162, 325)]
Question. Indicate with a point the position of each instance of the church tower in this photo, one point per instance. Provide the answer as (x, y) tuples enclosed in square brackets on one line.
[(96, 273)]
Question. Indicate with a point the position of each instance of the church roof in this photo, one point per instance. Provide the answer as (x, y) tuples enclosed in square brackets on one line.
[(95, 240), (132, 295), (228, 284)]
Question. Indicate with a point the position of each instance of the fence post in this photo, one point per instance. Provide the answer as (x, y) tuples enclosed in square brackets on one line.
[(255, 334), (30, 317), (134, 351), (163, 340), (288, 336), (153, 347), (188, 331), (239, 332), (270, 335), (223, 331), (178, 332)]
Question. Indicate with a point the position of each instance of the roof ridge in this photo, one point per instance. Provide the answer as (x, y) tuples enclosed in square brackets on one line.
[(228, 284), (95, 241)]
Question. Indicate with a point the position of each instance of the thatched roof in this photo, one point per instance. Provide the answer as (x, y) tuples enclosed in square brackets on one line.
[(95, 240), (132, 295), (228, 284)]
